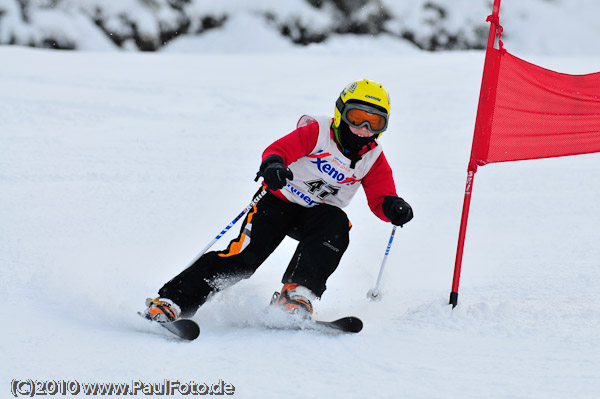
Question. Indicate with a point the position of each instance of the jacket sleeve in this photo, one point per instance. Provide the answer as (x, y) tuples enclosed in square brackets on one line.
[(378, 184), (294, 145)]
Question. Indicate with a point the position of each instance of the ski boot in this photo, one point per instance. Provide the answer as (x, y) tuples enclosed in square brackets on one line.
[(162, 310), (294, 299)]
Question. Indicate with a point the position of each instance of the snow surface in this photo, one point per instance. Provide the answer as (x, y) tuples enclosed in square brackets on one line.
[(117, 168)]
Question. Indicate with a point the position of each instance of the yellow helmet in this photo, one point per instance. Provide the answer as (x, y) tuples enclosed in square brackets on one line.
[(366, 92)]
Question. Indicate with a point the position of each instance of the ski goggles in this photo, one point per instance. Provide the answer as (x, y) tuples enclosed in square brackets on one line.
[(359, 115)]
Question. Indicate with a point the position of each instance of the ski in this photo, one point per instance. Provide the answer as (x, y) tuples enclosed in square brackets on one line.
[(349, 324), (185, 329)]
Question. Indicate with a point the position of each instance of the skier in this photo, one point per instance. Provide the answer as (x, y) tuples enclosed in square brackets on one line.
[(311, 174)]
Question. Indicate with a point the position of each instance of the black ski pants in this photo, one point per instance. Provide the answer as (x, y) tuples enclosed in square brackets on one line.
[(322, 234)]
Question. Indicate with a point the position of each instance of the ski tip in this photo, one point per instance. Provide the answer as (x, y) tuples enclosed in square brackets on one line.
[(185, 329), (348, 324), (353, 324)]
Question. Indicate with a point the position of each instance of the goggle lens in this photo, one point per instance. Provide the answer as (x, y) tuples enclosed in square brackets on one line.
[(358, 117)]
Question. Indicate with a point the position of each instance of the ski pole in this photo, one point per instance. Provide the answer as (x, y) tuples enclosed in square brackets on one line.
[(374, 293), (230, 225)]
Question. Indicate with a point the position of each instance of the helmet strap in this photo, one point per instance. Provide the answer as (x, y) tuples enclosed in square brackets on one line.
[(354, 158), (339, 104)]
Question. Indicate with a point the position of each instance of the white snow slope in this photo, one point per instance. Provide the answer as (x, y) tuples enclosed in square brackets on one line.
[(116, 169)]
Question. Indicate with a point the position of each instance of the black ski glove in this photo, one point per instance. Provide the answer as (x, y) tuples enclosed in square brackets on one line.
[(274, 172), (397, 210)]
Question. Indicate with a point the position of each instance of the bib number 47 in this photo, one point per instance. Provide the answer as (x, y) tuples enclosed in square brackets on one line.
[(321, 188)]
